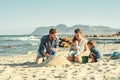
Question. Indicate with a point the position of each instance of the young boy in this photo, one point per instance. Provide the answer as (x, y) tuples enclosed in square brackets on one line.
[(95, 54)]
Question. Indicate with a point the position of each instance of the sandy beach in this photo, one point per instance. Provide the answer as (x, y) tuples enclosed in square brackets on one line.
[(22, 67)]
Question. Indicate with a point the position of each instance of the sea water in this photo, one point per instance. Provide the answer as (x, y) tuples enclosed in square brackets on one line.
[(21, 44), (18, 44)]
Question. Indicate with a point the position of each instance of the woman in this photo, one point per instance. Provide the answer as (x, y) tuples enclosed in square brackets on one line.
[(82, 43)]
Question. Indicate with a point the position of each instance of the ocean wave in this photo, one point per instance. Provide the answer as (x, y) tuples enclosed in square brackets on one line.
[(17, 45), (26, 44), (27, 38)]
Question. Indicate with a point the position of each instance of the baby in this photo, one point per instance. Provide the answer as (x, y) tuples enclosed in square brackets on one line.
[(75, 49)]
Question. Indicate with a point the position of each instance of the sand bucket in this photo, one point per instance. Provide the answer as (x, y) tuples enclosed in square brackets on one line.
[(84, 59), (53, 53)]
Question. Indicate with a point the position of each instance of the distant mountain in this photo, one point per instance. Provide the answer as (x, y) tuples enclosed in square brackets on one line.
[(65, 30)]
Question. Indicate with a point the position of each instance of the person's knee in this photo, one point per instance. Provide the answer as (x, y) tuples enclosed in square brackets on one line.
[(69, 58)]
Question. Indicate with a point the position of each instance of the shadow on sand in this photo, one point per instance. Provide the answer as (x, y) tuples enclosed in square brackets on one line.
[(28, 64)]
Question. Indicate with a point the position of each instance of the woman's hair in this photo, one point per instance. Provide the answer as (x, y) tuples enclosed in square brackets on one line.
[(78, 31), (74, 39), (91, 42), (52, 31)]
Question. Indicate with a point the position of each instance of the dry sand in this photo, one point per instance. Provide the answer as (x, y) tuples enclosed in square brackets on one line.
[(21, 67)]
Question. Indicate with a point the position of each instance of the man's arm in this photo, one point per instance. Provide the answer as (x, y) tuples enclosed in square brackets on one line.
[(42, 48), (56, 45)]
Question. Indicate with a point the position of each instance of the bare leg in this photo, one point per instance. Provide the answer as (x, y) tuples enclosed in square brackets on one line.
[(37, 60)]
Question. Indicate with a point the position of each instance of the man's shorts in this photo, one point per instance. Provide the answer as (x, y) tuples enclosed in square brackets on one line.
[(40, 54)]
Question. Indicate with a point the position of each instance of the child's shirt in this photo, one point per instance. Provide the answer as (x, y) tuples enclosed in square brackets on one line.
[(73, 47), (75, 53), (96, 52)]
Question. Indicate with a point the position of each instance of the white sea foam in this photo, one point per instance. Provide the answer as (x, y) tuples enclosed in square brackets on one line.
[(26, 38)]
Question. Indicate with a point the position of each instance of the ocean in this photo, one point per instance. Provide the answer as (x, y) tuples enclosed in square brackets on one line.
[(18, 44), (21, 44)]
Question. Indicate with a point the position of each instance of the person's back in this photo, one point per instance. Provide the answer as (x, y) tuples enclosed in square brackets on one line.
[(96, 52)]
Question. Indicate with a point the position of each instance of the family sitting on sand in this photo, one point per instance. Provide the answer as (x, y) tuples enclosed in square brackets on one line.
[(81, 46), (49, 47)]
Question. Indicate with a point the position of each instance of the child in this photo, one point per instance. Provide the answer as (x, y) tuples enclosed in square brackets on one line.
[(75, 49), (95, 54)]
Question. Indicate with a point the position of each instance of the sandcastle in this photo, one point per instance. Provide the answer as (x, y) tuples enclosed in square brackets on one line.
[(56, 61)]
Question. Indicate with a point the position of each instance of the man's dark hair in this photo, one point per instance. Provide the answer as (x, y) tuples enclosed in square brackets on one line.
[(78, 30), (52, 31)]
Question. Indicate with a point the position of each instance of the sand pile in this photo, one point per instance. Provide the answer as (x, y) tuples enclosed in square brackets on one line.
[(57, 61)]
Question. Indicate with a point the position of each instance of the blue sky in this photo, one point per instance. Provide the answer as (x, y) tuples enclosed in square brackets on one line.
[(23, 16)]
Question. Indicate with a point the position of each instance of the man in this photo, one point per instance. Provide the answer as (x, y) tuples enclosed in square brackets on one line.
[(48, 45)]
